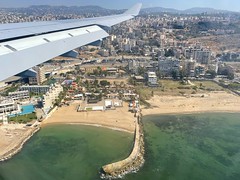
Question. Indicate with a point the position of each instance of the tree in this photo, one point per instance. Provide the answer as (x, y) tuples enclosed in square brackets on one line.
[(230, 76), (182, 74), (227, 71), (122, 84), (92, 49), (141, 70), (175, 74), (212, 73), (95, 82), (169, 53), (152, 93), (104, 83), (87, 83)]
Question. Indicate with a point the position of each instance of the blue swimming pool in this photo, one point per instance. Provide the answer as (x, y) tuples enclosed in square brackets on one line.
[(26, 109)]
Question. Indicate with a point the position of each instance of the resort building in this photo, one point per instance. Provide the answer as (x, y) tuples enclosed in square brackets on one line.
[(19, 95), (50, 97), (35, 89), (9, 106)]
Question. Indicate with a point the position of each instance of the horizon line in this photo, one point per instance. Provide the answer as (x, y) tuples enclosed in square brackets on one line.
[(122, 8)]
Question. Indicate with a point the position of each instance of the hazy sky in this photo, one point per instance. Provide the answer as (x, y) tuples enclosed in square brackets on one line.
[(120, 4)]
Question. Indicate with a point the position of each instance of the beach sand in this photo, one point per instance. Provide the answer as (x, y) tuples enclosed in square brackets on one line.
[(119, 119), (12, 137), (219, 101)]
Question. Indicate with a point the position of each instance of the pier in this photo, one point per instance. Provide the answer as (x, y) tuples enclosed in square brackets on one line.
[(133, 162)]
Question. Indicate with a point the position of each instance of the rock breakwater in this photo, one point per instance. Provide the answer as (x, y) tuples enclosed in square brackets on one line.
[(133, 162)]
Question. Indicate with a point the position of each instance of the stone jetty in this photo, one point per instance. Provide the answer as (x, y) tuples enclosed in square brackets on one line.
[(133, 162)]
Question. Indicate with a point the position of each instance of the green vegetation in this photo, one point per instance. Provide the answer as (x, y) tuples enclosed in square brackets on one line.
[(208, 85), (170, 87), (61, 96), (104, 83), (145, 93), (226, 71), (212, 73), (23, 118), (169, 53), (32, 94), (235, 86), (50, 81)]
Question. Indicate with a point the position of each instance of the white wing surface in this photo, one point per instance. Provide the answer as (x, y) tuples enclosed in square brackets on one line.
[(24, 45)]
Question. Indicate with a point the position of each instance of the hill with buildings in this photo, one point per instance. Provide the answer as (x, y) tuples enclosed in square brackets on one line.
[(195, 10)]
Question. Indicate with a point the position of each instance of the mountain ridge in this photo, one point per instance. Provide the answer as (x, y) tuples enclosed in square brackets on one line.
[(99, 9)]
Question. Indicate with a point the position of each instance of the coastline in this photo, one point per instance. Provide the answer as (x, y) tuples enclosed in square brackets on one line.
[(90, 124), (191, 112), (18, 147), (211, 102), (120, 119)]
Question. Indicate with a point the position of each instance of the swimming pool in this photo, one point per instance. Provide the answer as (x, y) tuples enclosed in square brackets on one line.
[(26, 109)]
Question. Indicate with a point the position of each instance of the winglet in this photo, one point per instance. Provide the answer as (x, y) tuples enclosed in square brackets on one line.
[(134, 11)]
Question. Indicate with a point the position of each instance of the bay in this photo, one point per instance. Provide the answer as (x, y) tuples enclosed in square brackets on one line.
[(178, 147), (67, 152)]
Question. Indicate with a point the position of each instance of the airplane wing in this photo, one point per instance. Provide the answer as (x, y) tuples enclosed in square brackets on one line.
[(24, 45)]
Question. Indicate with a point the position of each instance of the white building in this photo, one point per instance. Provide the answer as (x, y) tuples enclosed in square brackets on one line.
[(18, 95), (9, 106), (152, 79), (50, 97)]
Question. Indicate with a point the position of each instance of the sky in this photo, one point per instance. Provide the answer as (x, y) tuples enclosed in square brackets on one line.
[(233, 5)]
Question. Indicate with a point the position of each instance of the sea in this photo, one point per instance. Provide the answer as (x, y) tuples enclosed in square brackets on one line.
[(196, 146)]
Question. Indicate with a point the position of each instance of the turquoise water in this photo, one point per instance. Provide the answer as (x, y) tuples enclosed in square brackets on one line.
[(191, 147), (27, 109), (181, 147), (67, 152)]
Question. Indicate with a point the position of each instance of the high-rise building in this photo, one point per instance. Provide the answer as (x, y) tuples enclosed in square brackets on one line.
[(50, 97), (40, 76), (167, 65), (202, 56)]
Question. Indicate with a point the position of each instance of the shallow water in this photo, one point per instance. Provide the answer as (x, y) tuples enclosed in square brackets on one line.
[(67, 152), (182, 147), (202, 146)]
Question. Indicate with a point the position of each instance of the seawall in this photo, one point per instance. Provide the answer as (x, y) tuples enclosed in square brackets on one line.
[(133, 162)]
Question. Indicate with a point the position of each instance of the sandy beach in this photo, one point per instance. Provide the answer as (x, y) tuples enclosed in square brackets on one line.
[(12, 138), (219, 101), (119, 119)]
